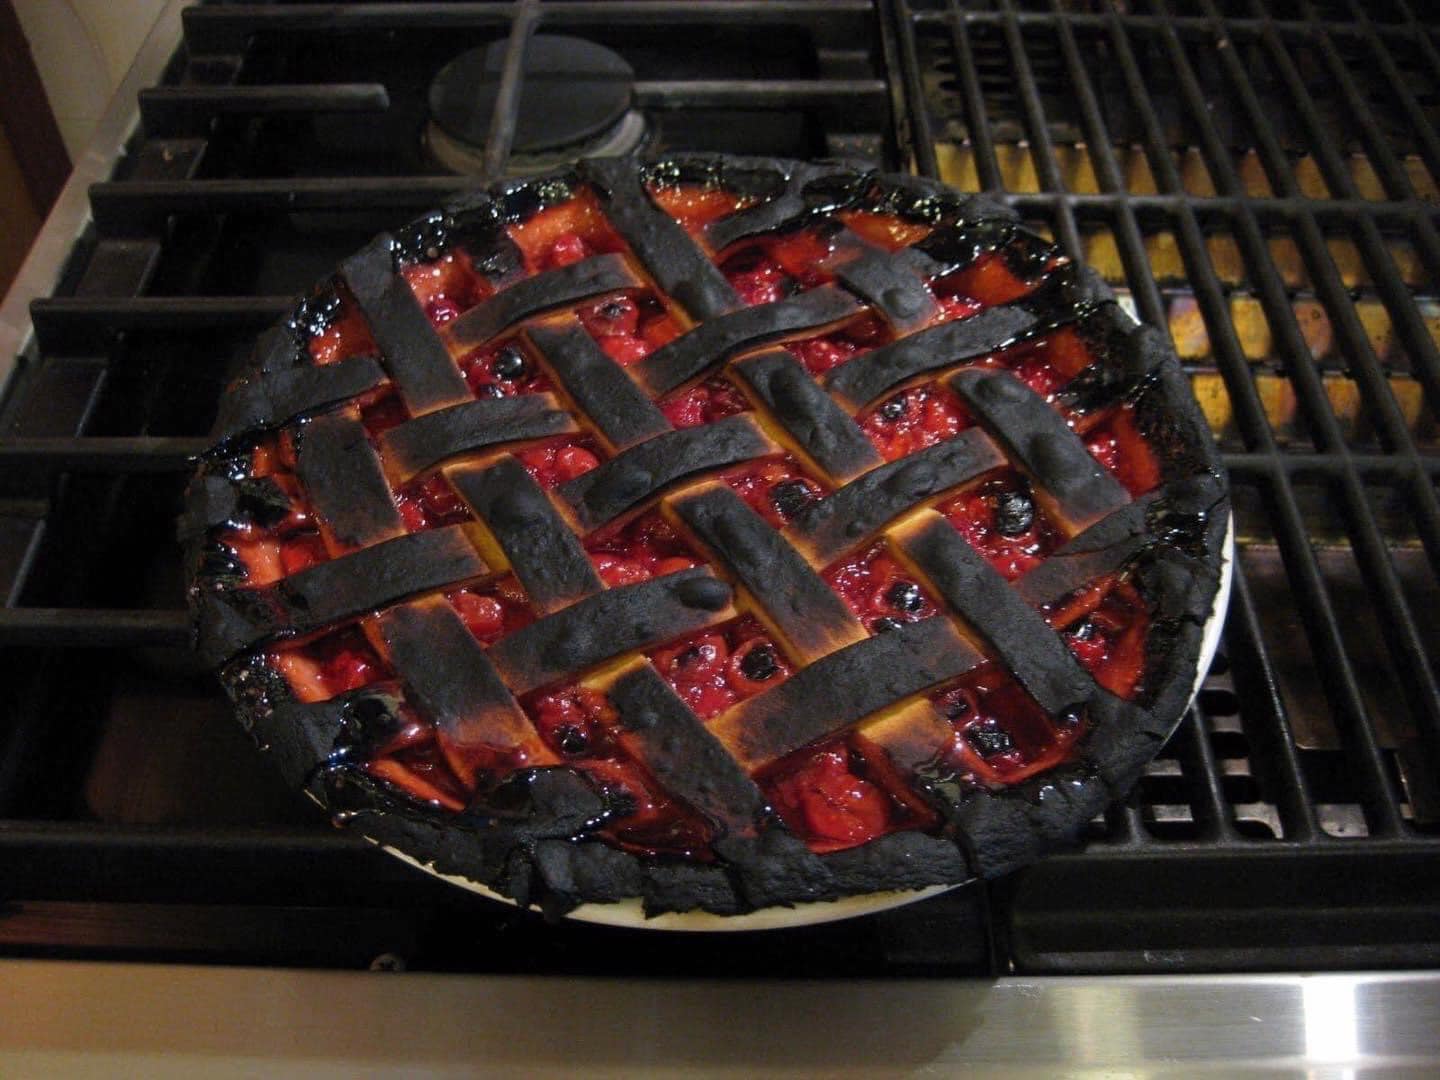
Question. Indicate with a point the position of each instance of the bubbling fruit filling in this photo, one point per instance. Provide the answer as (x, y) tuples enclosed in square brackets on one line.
[(727, 664), (836, 794), (879, 591), (843, 793), (1000, 519)]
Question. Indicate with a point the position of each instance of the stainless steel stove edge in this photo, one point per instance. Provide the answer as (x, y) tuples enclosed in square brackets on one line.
[(157, 1020)]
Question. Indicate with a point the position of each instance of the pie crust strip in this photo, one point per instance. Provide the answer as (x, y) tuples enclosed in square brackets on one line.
[(411, 349), (610, 624), (568, 285), (1067, 479), (820, 429), (276, 398), (614, 406), (809, 616), (417, 446), (681, 270), (855, 513), (639, 474), (542, 550), (696, 351)]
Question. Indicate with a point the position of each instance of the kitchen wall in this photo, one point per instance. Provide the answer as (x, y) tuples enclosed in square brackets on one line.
[(83, 49)]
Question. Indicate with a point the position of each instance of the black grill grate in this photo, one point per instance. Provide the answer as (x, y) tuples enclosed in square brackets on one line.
[(1262, 181)]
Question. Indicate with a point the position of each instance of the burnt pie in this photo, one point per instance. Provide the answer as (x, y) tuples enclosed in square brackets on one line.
[(725, 533)]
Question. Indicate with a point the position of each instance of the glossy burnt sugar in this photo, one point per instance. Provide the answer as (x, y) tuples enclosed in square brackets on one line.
[(721, 532)]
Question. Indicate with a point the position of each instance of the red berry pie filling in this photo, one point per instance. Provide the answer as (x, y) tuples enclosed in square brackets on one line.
[(720, 533)]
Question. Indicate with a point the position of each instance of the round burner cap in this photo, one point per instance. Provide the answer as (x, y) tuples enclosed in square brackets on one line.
[(572, 91)]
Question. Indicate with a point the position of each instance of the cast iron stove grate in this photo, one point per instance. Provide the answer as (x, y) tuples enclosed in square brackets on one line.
[(1262, 181)]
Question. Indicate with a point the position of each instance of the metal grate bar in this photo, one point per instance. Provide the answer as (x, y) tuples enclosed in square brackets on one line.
[(177, 110), (1265, 717), (56, 316), (227, 28), (756, 93), (94, 628), (1042, 150), (1396, 622), (506, 113), (1417, 468), (1312, 595), (121, 454), (977, 121), (1127, 230), (1208, 803), (1193, 25), (916, 118), (1419, 123)]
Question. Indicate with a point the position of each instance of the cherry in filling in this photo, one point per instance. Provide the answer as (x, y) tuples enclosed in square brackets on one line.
[(579, 724), (706, 402), (564, 234), (502, 369), (1104, 625), (1117, 444), (843, 793), (1001, 734), (776, 488), (629, 326), (562, 458), (446, 286), (879, 591), (695, 207), (713, 670), (492, 609), (914, 419), (1000, 519), (644, 547)]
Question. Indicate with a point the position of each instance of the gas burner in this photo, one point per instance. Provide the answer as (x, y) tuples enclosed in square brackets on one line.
[(575, 101)]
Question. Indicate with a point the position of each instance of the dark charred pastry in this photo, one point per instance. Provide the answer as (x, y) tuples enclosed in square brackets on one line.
[(808, 193), (213, 498), (642, 472), (974, 589), (694, 353), (410, 348), (449, 675), (569, 285), (346, 482), (541, 549), (541, 834), (664, 248), (811, 618), (571, 642), (683, 755), (419, 445), (1042, 443), (891, 284), (278, 398), (336, 591), (617, 408), (1105, 548), (842, 689), (849, 517), (862, 379), (821, 429)]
